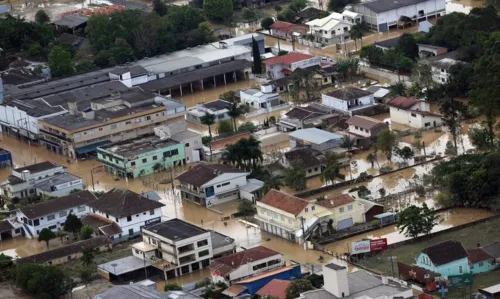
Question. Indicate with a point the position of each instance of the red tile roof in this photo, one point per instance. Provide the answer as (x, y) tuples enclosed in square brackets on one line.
[(218, 144), (336, 201), (403, 102), (287, 58), (477, 255), (285, 26), (284, 202), (275, 288), (228, 264)]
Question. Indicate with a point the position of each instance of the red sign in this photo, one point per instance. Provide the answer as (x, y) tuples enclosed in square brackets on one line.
[(378, 244)]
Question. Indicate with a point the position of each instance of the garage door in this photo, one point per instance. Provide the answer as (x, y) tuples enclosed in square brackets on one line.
[(345, 223)]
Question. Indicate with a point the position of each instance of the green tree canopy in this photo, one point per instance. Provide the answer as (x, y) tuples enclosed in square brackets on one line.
[(295, 176), (73, 224), (266, 23), (172, 287), (86, 232), (42, 17), (60, 62), (386, 142), (42, 281), (218, 10), (225, 128), (408, 46), (296, 287), (46, 235), (414, 221), (246, 208)]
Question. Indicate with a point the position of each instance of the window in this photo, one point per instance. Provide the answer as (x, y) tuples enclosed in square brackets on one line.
[(282, 218), (269, 213), (77, 135), (225, 184), (132, 163), (259, 266), (148, 117), (313, 208), (144, 160), (275, 215), (349, 207), (427, 124), (480, 264), (174, 152), (315, 168), (186, 145), (155, 158), (414, 115), (262, 210), (131, 231), (137, 120), (460, 269), (309, 170), (113, 126), (69, 257), (116, 220), (341, 210), (290, 220), (202, 243), (307, 210), (91, 132), (204, 253), (129, 218), (107, 216), (51, 217), (81, 208), (128, 122), (63, 213), (137, 251), (152, 212)]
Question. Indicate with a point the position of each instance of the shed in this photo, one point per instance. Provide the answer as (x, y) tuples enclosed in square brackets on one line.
[(386, 218)]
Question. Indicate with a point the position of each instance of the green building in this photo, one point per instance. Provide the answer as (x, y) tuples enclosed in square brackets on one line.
[(141, 156)]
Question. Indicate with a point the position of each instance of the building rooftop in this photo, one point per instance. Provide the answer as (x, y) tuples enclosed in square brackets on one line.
[(314, 135), (301, 113), (216, 105), (241, 38), (379, 6), (268, 274), (336, 201), (310, 12), (19, 76), (70, 39), (181, 136), (124, 265), (445, 252), (252, 185), (48, 185), (121, 202), (287, 58), (445, 61), (364, 122), (388, 43), (276, 288), (259, 94), (283, 201), (36, 107), (175, 229), (203, 173), (228, 264), (493, 249), (304, 156), (72, 21), (220, 240), (286, 26), (38, 167), (106, 226), (135, 70), (142, 144), (328, 22), (133, 291), (477, 255), (403, 102), (57, 204), (349, 93), (5, 226)]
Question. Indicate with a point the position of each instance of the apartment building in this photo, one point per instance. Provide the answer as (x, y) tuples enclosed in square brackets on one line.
[(48, 177), (119, 117), (120, 214), (52, 213)]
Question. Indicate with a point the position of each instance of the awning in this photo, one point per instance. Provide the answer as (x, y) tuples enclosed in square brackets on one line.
[(286, 71), (91, 147)]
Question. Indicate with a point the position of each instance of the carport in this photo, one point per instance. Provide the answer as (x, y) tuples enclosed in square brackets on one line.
[(6, 230)]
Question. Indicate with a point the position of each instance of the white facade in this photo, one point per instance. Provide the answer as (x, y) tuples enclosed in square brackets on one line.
[(440, 75), (61, 189), (128, 80), (276, 70), (359, 131), (452, 7), (413, 118), (347, 106), (332, 29), (20, 121), (263, 98)]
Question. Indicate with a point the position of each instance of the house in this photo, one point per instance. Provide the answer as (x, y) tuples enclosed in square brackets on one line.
[(59, 185), (244, 264), (193, 147), (23, 180), (52, 213), (382, 15), (264, 98), (73, 41), (69, 252), (317, 139), (346, 211), (143, 155), (254, 284), (222, 245), (72, 23), (349, 100), (285, 215), (388, 43), (282, 66), (441, 66), (312, 116), (371, 209), (286, 30), (446, 258), (175, 247), (365, 126), (430, 50), (139, 291), (480, 261), (217, 108), (323, 75), (127, 210), (276, 288), (247, 40), (352, 16), (10, 228), (211, 184), (310, 13), (305, 158), (493, 250), (425, 26), (379, 92), (359, 284), (332, 29), (413, 113)]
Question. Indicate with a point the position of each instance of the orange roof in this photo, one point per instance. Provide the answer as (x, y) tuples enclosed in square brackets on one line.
[(266, 274), (286, 71), (285, 202), (227, 264), (285, 26), (336, 201), (276, 288), (234, 290), (218, 144), (287, 58)]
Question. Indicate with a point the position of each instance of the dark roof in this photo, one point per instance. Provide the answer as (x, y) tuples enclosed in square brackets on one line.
[(20, 76), (349, 93), (227, 264), (388, 43), (65, 250), (284, 202), (204, 172), (403, 102), (445, 252), (477, 255), (14, 180), (196, 75), (175, 229), (310, 12), (364, 122), (135, 70), (217, 105), (335, 266), (72, 21), (385, 5), (301, 113), (57, 204), (5, 225), (121, 202), (220, 240), (42, 166), (492, 249), (70, 39), (304, 156)]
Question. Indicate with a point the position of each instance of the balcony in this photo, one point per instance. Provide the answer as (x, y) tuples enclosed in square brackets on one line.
[(187, 259), (185, 248), (188, 189)]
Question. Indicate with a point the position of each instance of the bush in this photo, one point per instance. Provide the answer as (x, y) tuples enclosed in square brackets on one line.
[(420, 190), (266, 23), (172, 287), (363, 191), (221, 284), (35, 50), (206, 140), (218, 10), (385, 169), (282, 52), (375, 222), (247, 127), (225, 127), (86, 232), (11, 206)]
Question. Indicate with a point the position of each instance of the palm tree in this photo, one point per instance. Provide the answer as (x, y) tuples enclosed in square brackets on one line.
[(208, 119), (348, 143), (356, 33), (234, 111), (295, 177), (272, 181), (332, 168), (371, 159), (253, 153)]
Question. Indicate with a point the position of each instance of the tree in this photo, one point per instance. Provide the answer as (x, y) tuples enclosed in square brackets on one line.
[(371, 159), (73, 225), (408, 46), (348, 67), (414, 221), (272, 181), (234, 112), (42, 281), (160, 7), (337, 5), (348, 143), (172, 287), (479, 137), (218, 10), (266, 23), (295, 176), (405, 153), (246, 208), (356, 33), (84, 66), (225, 128), (60, 62), (332, 168), (452, 111), (86, 232), (250, 15), (46, 235), (208, 120), (41, 17), (300, 79), (386, 141), (88, 255), (287, 15), (400, 63), (397, 89), (460, 79), (422, 74), (296, 287), (229, 96), (257, 62), (86, 274), (373, 54), (278, 8)]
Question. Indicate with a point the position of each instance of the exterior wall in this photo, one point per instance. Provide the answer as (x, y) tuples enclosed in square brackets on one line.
[(26, 189), (352, 210), (346, 106), (414, 120), (456, 267), (60, 192), (234, 183), (333, 143), (288, 34), (260, 102), (73, 256), (275, 71), (248, 270), (20, 119), (359, 131), (338, 34), (484, 266), (310, 171), (440, 76), (55, 224), (192, 145)]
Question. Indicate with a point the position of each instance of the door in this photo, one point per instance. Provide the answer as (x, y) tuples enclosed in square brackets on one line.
[(345, 223), (196, 156)]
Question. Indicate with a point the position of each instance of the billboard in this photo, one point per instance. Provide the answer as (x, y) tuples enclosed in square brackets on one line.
[(369, 246)]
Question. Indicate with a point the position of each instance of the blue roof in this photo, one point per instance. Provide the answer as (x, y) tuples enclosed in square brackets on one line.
[(314, 135)]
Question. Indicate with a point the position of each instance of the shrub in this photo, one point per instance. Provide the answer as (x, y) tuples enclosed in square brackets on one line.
[(172, 287), (375, 222), (420, 190)]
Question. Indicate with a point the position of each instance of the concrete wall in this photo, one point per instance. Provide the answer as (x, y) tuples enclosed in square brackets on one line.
[(20, 119)]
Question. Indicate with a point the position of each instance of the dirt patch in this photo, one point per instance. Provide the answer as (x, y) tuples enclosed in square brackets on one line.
[(9, 291)]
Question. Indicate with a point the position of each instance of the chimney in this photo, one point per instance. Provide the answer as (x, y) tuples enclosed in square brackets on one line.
[(73, 109), (335, 277)]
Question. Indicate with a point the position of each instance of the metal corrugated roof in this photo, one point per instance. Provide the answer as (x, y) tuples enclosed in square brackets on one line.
[(314, 135)]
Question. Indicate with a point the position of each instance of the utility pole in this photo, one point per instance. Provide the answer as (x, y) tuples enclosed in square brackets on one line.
[(303, 232)]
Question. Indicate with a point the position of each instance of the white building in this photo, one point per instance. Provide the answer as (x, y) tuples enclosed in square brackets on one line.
[(365, 126), (333, 29), (413, 113), (382, 15), (356, 285), (349, 100), (193, 147), (245, 264), (441, 66), (218, 108), (52, 213), (211, 184), (23, 181), (282, 66), (120, 214), (59, 185), (263, 98), (130, 76)]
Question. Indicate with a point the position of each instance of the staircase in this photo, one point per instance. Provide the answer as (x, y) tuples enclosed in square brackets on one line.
[(26, 229)]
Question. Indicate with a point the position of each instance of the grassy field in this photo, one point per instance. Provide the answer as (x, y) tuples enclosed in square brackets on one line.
[(483, 233)]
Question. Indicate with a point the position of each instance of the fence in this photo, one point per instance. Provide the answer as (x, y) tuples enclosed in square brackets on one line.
[(266, 110)]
